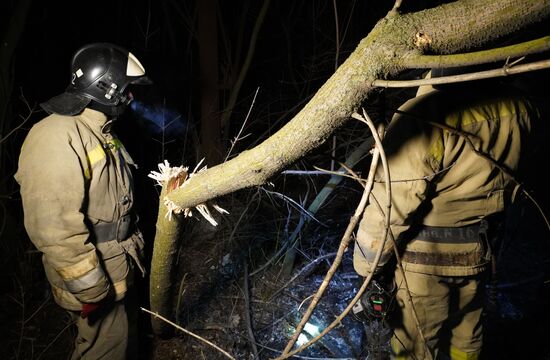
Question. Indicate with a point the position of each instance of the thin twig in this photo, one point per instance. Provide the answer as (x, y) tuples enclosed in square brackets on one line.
[(337, 30), (188, 332), (538, 208), (55, 339), (38, 309), (339, 173), (238, 137), (248, 314), (181, 291), (241, 217), (303, 270), (304, 301), (303, 357), (31, 110), (312, 172), (22, 329), (336, 61), (294, 204), (273, 258)]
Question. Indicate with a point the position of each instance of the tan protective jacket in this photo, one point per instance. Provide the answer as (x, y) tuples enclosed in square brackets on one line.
[(438, 180), (73, 174)]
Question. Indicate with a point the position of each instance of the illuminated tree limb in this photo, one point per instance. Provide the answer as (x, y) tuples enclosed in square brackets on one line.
[(479, 57), (506, 70)]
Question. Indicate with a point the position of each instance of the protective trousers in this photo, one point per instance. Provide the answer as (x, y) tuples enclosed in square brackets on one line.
[(449, 312), (109, 334)]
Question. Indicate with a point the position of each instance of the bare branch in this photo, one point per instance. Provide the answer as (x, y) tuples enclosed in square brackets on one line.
[(248, 317), (238, 137), (189, 333), (302, 271), (479, 57), (31, 110), (505, 70)]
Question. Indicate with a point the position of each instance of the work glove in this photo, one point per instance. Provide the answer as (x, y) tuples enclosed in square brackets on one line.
[(93, 311)]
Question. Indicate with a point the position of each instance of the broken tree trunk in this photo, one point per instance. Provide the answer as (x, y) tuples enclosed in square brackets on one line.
[(395, 40)]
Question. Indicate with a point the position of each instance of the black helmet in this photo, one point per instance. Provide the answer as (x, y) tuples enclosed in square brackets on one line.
[(100, 72)]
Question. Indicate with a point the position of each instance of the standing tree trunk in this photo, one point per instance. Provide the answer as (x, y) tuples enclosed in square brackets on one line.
[(395, 41), (162, 272), (209, 85)]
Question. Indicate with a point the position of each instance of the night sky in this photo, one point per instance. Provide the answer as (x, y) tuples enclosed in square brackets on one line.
[(294, 55)]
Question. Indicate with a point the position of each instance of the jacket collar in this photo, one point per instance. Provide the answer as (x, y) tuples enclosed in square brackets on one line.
[(93, 118)]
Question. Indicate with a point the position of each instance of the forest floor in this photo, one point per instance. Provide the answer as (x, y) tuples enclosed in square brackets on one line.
[(218, 304), (214, 301)]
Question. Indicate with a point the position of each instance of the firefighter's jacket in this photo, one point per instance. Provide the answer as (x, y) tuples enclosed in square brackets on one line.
[(446, 153), (74, 174)]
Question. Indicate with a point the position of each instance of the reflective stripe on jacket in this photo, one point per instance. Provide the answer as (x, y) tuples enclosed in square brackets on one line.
[(74, 173), (438, 180)]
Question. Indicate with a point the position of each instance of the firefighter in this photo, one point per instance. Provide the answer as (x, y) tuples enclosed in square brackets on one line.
[(76, 187), (453, 153)]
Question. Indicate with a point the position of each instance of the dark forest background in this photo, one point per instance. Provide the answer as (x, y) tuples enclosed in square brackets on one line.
[(299, 45)]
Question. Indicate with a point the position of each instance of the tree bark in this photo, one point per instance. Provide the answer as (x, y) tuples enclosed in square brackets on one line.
[(450, 28), (162, 270)]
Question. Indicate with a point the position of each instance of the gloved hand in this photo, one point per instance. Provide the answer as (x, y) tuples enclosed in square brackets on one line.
[(88, 308), (96, 309)]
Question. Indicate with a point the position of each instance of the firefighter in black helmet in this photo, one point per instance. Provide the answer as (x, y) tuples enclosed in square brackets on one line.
[(100, 75), (76, 187)]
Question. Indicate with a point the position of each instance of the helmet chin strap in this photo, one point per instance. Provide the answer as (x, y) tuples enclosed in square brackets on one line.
[(109, 110)]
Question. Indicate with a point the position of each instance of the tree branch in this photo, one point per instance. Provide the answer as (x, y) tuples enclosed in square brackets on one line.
[(383, 53), (506, 70), (479, 57)]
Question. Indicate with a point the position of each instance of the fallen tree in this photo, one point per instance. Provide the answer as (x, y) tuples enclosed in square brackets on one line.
[(396, 43)]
